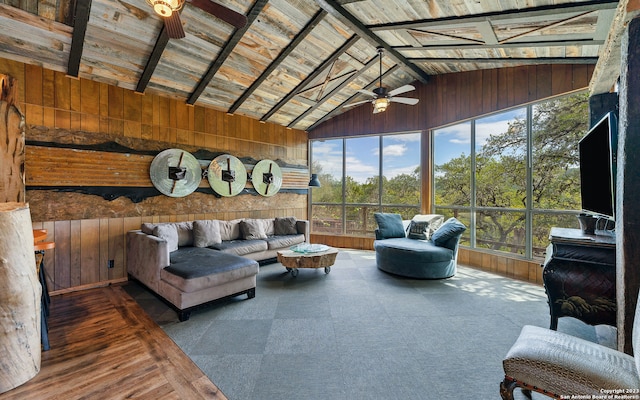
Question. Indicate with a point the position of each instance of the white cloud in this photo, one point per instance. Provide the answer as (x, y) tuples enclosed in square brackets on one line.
[(394, 150)]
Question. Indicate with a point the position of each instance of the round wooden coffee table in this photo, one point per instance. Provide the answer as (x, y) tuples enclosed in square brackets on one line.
[(292, 260)]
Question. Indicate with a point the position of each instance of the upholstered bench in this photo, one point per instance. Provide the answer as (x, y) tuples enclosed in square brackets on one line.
[(416, 258), (557, 364), (197, 275)]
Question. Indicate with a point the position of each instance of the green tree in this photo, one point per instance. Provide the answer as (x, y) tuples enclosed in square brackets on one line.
[(557, 126)]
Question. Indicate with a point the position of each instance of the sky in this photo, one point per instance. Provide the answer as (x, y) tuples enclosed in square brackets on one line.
[(453, 140), (402, 152), (401, 155)]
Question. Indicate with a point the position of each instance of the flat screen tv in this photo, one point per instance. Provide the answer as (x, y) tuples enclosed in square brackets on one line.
[(598, 154)]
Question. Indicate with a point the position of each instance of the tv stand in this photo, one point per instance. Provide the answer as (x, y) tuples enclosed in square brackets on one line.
[(579, 275)]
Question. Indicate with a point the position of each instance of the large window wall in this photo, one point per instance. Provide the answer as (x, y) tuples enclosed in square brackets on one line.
[(361, 176), (513, 175)]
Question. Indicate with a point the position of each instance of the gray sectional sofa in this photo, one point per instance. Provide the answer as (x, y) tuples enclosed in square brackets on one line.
[(194, 262)]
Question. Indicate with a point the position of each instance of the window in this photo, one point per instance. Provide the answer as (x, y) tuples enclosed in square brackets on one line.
[(513, 175), (361, 176)]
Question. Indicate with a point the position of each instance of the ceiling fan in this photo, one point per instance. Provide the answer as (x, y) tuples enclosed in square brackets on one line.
[(381, 98), (167, 9)]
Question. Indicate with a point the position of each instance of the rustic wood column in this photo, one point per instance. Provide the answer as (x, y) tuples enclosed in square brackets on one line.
[(20, 298), (628, 186), (12, 186)]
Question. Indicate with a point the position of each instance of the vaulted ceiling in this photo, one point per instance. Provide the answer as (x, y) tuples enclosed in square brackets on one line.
[(297, 62)]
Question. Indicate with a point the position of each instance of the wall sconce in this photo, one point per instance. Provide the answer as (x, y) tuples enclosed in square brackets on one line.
[(314, 182)]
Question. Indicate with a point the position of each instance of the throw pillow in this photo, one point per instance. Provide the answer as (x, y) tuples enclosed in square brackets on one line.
[(169, 233), (252, 229), (418, 230), (206, 233), (432, 221), (451, 228), (389, 225), (285, 226)]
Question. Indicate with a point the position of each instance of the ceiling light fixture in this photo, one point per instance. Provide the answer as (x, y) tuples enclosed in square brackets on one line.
[(380, 104), (165, 8)]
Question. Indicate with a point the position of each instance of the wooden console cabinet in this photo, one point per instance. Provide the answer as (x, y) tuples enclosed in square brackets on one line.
[(579, 275)]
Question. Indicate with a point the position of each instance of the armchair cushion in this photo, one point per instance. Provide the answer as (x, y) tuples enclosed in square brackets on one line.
[(450, 229), (389, 225)]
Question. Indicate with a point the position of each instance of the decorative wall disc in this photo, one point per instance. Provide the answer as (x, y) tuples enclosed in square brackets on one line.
[(227, 175), (266, 177), (175, 172)]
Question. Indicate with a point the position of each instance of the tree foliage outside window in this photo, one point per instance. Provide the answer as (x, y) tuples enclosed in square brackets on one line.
[(493, 180), (362, 176)]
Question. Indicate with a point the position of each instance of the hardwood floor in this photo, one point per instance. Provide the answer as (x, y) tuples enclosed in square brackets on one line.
[(104, 346)]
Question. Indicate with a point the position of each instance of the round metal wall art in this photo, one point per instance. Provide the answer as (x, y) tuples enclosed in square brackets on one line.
[(175, 172), (227, 175), (266, 177)]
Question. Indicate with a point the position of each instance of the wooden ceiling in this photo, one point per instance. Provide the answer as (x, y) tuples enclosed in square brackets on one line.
[(297, 62)]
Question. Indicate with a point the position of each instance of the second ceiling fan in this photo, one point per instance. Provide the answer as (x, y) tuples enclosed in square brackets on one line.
[(381, 98), (167, 9)]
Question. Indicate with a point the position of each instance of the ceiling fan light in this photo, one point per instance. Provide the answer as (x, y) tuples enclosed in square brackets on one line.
[(380, 104), (165, 8)]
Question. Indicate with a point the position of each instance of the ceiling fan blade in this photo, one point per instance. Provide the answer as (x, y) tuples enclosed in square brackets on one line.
[(224, 13), (402, 89), (367, 92), (404, 100), (357, 103), (174, 26)]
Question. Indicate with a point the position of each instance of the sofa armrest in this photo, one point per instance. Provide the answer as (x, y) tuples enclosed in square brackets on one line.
[(147, 255), (303, 227)]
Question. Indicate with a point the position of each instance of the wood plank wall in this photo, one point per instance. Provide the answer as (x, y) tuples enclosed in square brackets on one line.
[(89, 230), (450, 98)]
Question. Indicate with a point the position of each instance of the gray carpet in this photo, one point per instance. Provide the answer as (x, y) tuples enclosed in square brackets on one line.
[(359, 333)]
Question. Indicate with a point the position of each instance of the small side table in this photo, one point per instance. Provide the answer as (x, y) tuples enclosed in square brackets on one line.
[(579, 276), (293, 260)]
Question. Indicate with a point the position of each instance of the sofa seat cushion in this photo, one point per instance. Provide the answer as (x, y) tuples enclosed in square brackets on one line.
[(241, 247), (424, 250), (284, 241), (197, 268)]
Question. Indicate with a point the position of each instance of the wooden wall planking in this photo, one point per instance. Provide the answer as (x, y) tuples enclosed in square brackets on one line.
[(78, 107), (450, 98)]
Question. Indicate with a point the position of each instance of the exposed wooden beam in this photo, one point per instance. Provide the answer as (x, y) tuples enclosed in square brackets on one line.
[(370, 86), (372, 62), (80, 20), (342, 49), (154, 58), (486, 30), (360, 29), (281, 57), (548, 26), (472, 46), (226, 51), (518, 15), (503, 60), (607, 69)]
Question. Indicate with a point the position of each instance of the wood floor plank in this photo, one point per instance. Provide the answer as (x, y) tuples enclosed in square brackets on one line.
[(104, 346)]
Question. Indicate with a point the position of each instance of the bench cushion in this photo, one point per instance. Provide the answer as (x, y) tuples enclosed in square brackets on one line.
[(196, 268), (279, 242), (567, 365), (241, 247)]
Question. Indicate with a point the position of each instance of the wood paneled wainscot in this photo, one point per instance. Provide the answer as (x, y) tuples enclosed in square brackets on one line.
[(88, 150)]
